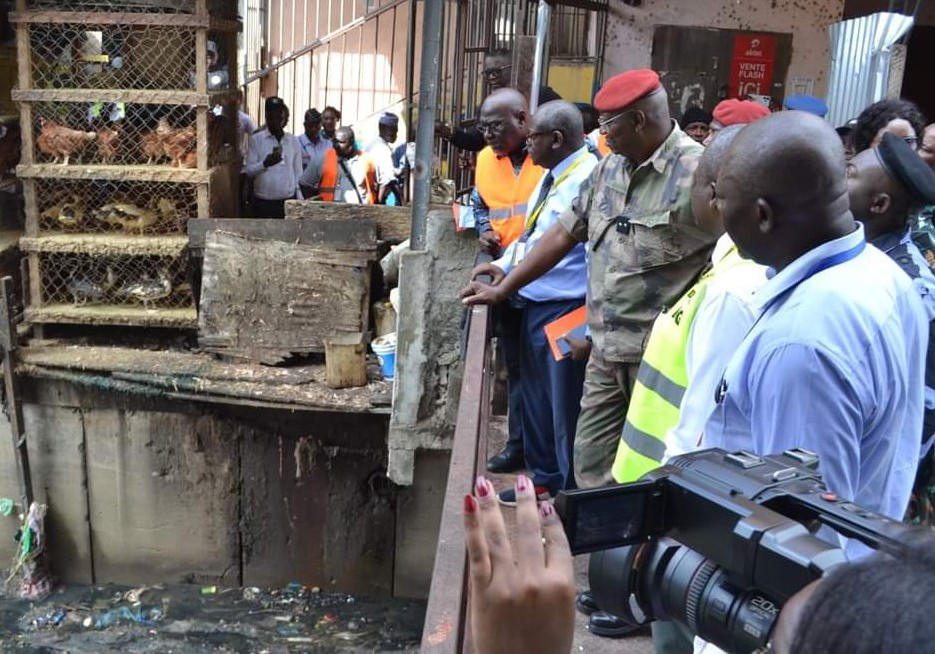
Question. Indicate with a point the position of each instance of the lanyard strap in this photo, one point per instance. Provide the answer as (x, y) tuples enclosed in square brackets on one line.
[(537, 210), (824, 264)]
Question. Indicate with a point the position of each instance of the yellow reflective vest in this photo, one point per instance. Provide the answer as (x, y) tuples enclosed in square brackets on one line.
[(661, 381)]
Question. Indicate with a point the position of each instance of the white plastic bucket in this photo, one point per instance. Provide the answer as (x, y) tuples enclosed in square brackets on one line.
[(385, 349)]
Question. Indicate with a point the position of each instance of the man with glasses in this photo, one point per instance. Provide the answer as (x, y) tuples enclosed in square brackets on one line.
[(498, 67), (645, 252), (504, 179), (551, 389)]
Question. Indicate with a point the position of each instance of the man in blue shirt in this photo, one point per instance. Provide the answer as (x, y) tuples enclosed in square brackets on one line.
[(551, 389), (886, 185), (835, 360)]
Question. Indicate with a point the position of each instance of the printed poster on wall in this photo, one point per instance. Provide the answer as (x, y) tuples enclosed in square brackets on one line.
[(751, 68)]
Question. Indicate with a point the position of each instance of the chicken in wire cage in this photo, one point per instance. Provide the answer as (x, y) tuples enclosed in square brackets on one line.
[(119, 133), (150, 282), (136, 208)]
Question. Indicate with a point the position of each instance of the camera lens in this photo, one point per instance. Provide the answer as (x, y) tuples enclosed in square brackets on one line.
[(664, 580)]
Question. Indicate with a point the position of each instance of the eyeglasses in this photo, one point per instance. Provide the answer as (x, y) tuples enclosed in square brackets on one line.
[(607, 121), (498, 70), (533, 135), (490, 128)]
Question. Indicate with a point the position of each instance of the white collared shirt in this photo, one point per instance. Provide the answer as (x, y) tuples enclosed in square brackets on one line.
[(279, 182)]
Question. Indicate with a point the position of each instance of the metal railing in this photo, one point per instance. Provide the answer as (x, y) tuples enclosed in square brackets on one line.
[(446, 628)]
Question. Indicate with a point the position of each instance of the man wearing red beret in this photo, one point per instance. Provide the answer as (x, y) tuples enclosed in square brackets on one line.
[(645, 252), (735, 112)]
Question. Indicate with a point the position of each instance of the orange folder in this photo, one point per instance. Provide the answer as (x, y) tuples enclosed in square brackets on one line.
[(571, 324)]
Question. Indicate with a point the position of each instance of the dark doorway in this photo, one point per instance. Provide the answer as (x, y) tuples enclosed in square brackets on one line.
[(917, 79), (701, 66)]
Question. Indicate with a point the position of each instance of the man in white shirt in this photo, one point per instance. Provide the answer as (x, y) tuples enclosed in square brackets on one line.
[(382, 154), (274, 163), (314, 145)]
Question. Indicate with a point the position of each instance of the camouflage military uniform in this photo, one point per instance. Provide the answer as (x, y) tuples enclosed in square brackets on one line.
[(645, 252)]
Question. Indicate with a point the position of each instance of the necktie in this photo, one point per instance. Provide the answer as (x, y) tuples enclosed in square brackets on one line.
[(540, 201)]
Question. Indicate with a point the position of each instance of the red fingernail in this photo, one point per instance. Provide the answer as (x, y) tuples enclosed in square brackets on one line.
[(522, 483), (470, 504), (481, 486), (546, 510)]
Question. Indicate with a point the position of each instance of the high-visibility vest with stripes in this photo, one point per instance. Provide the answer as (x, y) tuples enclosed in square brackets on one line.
[(600, 141), (505, 193), (329, 177), (661, 382)]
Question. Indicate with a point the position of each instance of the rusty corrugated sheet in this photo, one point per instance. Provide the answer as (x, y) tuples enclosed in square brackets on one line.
[(861, 50)]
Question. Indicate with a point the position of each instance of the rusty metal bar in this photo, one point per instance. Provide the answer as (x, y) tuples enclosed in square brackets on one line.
[(446, 624)]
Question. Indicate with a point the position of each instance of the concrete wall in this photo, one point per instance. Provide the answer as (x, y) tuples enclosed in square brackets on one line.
[(144, 490), (428, 360), (630, 29)]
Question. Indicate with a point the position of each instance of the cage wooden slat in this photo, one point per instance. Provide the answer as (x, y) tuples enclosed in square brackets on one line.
[(182, 318), (107, 244), (192, 21), (124, 173)]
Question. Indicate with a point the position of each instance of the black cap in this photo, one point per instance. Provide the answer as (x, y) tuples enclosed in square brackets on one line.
[(694, 115), (903, 164), (274, 102)]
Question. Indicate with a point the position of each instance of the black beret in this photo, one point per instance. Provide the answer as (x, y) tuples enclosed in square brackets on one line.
[(903, 164), (694, 115)]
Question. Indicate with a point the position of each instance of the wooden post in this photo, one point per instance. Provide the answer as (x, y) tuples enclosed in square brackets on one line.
[(14, 408), (345, 361), (524, 54)]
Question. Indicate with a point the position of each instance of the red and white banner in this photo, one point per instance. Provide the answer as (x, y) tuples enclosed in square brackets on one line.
[(751, 67)]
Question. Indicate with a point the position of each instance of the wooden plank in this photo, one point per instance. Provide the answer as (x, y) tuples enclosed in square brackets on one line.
[(163, 497), (318, 511), (393, 223), (139, 96), (23, 63), (113, 173), (110, 18), (31, 205), (345, 236), (12, 401), (201, 120), (109, 244), (56, 450), (266, 300), (202, 200), (67, 314)]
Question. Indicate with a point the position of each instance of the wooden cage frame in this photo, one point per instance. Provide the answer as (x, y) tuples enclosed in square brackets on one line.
[(202, 176)]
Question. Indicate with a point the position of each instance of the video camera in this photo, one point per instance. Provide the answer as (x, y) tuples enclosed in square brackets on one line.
[(715, 540)]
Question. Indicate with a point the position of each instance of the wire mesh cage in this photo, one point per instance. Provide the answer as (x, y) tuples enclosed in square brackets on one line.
[(221, 8), (120, 133), (145, 57), (148, 282), (99, 206)]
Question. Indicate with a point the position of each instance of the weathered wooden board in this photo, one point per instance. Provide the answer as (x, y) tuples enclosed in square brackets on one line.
[(393, 223), (163, 482), (316, 512), (56, 452), (343, 236), (264, 300)]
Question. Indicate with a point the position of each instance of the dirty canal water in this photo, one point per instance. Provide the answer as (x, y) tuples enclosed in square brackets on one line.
[(193, 619)]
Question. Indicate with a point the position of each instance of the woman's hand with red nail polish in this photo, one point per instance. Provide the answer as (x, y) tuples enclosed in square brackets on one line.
[(522, 596)]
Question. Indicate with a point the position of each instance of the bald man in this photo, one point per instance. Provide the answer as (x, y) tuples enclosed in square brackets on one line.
[(835, 362), (551, 389), (504, 178)]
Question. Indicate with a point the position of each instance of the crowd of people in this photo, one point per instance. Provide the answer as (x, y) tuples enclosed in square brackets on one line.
[(326, 162), (751, 281)]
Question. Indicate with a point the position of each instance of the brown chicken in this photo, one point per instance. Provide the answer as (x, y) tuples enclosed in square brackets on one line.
[(176, 141), (107, 141), (151, 146), (190, 160), (61, 142)]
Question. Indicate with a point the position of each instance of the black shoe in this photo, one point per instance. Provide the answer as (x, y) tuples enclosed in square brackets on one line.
[(586, 604), (507, 460), (610, 626)]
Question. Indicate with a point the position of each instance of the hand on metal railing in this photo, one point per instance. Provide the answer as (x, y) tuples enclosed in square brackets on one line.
[(522, 597)]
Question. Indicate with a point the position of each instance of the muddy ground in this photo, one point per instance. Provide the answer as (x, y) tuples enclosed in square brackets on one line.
[(195, 620)]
